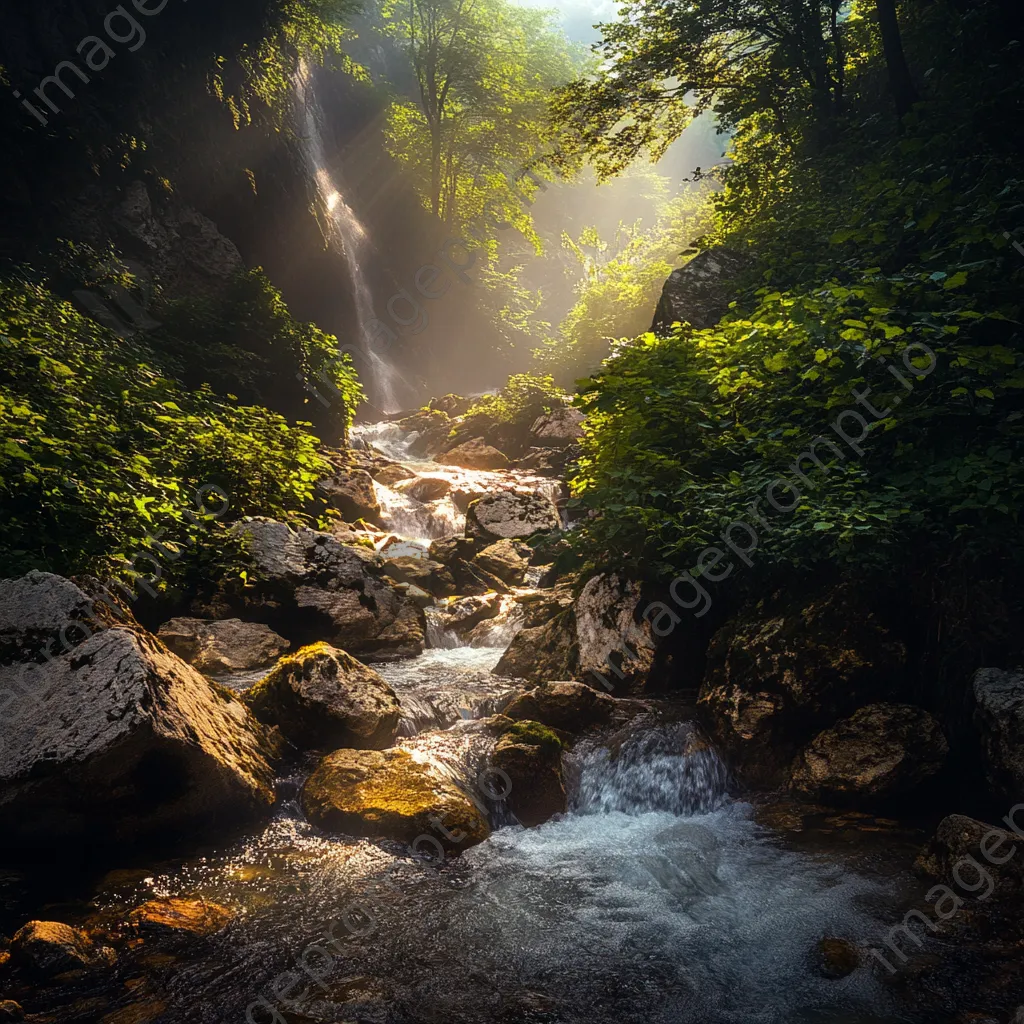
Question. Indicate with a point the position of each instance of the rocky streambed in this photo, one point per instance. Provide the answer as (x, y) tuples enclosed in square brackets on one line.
[(382, 782)]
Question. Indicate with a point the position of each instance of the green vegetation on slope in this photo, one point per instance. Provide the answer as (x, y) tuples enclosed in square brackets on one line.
[(869, 249)]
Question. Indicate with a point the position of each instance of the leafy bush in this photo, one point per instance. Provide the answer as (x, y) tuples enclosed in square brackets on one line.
[(523, 394), (100, 450)]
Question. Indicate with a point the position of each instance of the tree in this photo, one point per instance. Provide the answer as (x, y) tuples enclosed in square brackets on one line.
[(484, 70), (900, 82), (663, 63)]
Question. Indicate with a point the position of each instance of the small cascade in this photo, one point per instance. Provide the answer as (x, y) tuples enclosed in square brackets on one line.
[(406, 517), (668, 768)]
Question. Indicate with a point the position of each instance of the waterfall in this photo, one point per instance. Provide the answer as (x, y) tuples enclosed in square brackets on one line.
[(348, 236)]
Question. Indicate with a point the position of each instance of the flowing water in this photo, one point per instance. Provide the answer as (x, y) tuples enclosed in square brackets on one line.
[(388, 388), (656, 898)]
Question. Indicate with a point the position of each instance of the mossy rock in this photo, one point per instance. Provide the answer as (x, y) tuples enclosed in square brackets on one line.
[(530, 754), (388, 794), (321, 697)]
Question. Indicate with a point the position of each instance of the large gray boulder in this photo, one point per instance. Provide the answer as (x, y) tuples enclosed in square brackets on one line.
[(786, 668), (999, 719), (880, 752), (119, 742), (474, 454), (42, 614), (570, 706), (352, 493), (322, 698), (700, 292), (308, 587), (217, 647), (507, 515), (509, 560), (558, 428), (616, 646)]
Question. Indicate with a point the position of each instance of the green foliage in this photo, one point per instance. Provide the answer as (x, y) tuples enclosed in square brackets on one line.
[(617, 298), (101, 451), (243, 341), (523, 394), (864, 249)]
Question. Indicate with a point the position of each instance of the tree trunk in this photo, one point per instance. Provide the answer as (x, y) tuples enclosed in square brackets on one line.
[(900, 83)]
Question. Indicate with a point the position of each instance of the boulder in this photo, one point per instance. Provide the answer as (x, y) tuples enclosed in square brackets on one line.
[(546, 461), (615, 649), (428, 575), (387, 794), (558, 428), (322, 698), (11, 1011), (509, 560), (881, 752), (958, 841), (426, 488), (699, 293), (451, 405), (569, 706), (47, 948), (467, 612), (121, 742), (999, 719), (309, 587), (530, 754), (351, 492), (508, 515), (41, 614), (783, 670), (474, 454), (393, 474), (229, 645), (542, 653), (180, 918), (452, 549)]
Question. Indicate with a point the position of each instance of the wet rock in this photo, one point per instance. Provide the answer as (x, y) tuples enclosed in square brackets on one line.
[(542, 653), (47, 948), (837, 958), (531, 755), (782, 671), (881, 752), (558, 428), (614, 648), (473, 579), (321, 697), (43, 612), (474, 454), (180, 918), (452, 549), (700, 292), (451, 405), (509, 560), (229, 645), (965, 854), (388, 794), (426, 488), (999, 720), (428, 575), (120, 741), (547, 461), (467, 612), (569, 706), (508, 515), (145, 1012), (308, 587), (11, 1011), (393, 474), (351, 492)]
